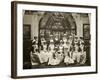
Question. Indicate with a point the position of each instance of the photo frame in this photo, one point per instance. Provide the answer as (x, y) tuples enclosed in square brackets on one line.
[(61, 25)]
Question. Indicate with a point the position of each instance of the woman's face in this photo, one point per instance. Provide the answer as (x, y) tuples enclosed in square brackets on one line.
[(76, 39)]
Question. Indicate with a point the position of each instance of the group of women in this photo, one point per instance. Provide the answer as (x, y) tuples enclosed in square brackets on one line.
[(68, 50)]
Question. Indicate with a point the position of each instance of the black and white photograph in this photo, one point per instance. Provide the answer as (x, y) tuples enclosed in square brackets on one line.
[(53, 39)]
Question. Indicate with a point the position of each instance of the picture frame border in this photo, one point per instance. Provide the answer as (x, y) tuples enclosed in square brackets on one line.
[(14, 38)]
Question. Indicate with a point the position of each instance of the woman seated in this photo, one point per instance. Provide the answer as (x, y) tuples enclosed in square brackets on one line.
[(51, 47), (55, 59), (59, 51), (67, 60), (34, 58), (76, 53), (43, 56)]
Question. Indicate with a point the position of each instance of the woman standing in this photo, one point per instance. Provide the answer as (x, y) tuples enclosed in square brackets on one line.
[(51, 51), (83, 54)]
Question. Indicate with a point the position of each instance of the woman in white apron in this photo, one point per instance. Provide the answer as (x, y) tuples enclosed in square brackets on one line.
[(54, 60), (35, 61), (70, 40), (51, 51), (68, 60), (66, 45), (43, 56), (76, 53), (60, 52)]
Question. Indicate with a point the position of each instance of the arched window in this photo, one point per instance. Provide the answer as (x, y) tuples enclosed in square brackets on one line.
[(56, 23)]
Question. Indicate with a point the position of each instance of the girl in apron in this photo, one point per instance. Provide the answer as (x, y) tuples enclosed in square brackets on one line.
[(51, 51), (57, 56), (43, 56), (35, 61), (67, 60), (66, 45), (76, 54), (54, 60), (71, 43), (60, 52)]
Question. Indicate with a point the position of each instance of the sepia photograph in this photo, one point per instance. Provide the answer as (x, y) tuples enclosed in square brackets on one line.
[(53, 39)]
